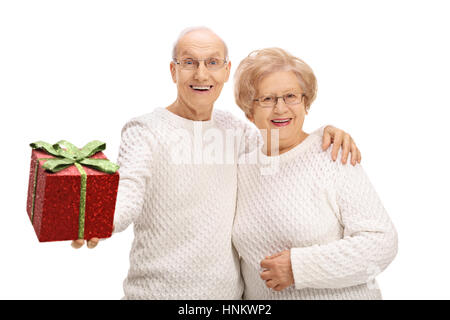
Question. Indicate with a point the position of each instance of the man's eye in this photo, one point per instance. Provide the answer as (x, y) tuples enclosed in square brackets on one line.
[(267, 99), (291, 95), (188, 61), (213, 62)]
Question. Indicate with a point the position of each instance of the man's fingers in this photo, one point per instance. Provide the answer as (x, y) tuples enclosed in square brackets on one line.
[(354, 151), (92, 243), (336, 146), (345, 148), (77, 243), (359, 156), (326, 140)]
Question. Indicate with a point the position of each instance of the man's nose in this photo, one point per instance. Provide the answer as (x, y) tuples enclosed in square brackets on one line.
[(201, 73)]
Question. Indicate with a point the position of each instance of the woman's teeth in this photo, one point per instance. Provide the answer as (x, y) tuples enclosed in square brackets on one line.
[(281, 121)]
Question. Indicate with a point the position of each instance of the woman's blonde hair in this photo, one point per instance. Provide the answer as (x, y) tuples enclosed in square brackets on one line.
[(260, 63)]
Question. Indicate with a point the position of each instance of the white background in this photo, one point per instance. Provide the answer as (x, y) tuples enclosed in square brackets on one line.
[(78, 70)]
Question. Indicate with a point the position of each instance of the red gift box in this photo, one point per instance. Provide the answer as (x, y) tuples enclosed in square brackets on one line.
[(54, 205)]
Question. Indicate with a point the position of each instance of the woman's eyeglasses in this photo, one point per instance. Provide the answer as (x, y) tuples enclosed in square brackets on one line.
[(271, 101)]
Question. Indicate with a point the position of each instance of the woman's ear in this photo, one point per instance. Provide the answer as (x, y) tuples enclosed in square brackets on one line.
[(305, 104), (250, 117)]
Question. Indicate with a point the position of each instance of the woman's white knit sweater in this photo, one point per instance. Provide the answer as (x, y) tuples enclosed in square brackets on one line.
[(329, 216), (182, 205)]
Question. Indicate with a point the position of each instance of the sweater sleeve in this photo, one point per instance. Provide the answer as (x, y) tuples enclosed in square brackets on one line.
[(250, 138), (134, 159), (369, 242)]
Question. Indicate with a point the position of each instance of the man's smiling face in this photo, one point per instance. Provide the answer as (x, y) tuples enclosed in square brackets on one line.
[(199, 88)]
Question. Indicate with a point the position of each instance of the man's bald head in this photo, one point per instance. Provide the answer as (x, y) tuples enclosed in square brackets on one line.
[(201, 31)]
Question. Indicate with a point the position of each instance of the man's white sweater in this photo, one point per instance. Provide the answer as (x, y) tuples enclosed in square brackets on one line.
[(329, 216), (181, 198)]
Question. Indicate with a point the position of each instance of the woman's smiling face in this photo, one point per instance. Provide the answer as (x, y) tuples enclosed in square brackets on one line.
[(288, 119)]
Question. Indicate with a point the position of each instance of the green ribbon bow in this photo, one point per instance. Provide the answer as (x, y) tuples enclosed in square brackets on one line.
[(72, 156)]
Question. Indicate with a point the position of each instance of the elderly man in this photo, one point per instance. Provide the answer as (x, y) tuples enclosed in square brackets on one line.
[(183, 211)]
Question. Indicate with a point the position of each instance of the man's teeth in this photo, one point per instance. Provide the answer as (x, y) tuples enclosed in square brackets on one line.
[(281, 121), (201, 88)]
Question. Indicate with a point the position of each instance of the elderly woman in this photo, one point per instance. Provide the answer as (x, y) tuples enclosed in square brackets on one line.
[(309, 228)]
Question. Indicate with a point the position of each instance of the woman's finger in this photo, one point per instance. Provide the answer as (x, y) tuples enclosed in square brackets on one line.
[(275, 255), (266, 275), (278, 287), (266, 264), (270, 284)]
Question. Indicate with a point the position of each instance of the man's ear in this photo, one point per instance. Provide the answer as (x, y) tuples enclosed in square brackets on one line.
[(228, 70), (173, 72)]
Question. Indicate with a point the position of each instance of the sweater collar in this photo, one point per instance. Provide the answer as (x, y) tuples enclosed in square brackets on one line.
[(288, 155), (183, 122)]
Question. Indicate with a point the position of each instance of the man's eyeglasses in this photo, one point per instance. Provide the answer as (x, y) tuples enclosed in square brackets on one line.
[(192, 64), (271, 101)]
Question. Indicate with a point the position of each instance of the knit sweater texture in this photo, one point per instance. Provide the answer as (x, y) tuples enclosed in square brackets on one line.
[(329, 216), (182, 204)]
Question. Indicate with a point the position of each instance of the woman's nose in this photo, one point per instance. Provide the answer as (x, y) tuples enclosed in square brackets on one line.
[(280, 106)]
